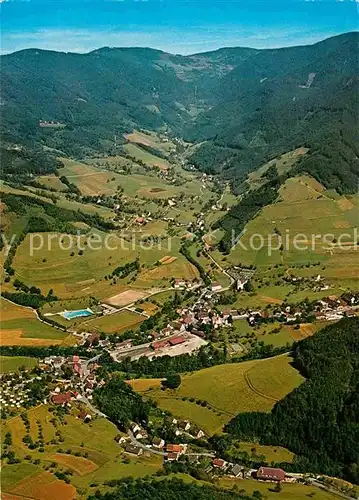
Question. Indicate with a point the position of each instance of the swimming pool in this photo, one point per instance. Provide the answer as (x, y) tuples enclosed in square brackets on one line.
[(77, 314)]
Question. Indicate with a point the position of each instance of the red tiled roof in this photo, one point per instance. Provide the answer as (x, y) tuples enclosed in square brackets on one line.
[(176, 340), (159, 344), (62, 398), (75, 358), (175, 448), (218, 462), (77, 368), (270, 473)]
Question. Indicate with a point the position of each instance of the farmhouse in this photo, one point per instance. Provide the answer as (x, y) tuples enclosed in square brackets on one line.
[(176, 340), (215, 286), (86, 417), (61, 399), (270, 474), (178, 283), (184, 425), (160, 344), (158, 443), (219, 462), (134, 450), (196, 432), (176, 448), (236, 470)]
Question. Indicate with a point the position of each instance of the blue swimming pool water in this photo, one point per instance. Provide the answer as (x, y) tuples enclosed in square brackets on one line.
[(77, 314)]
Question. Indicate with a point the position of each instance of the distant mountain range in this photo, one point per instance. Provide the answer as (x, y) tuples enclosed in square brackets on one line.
[(242, 106)]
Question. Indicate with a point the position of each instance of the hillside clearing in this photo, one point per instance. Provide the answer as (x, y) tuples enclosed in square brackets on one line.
[(228, 389)]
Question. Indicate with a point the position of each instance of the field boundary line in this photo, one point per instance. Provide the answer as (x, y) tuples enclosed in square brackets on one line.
[(253, 389)]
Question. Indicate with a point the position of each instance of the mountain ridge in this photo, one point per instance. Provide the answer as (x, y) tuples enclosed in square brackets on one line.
[(242, 106)]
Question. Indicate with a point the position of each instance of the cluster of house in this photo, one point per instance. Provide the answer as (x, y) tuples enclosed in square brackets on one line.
[(79, 367), (270, 474), (330, 308), (172, 451), (181, 283), (186, 427), (333, 308), (82, 378)]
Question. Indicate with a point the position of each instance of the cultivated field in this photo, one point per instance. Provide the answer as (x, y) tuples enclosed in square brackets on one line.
[(228, 389), (150, 139), (114, 323), (104, 460), (124, 298), (318, 216), (283, 164), (140, 154), (287, 334), (19, 326), (71, 274), (80, 465), (293, 491)]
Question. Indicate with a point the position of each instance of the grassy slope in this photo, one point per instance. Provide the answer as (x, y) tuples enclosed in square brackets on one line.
[(96, 438), (13, 363), (229, 389)]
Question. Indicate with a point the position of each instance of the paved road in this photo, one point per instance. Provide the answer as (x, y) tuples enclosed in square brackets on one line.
[(92, 408), (141, 445)]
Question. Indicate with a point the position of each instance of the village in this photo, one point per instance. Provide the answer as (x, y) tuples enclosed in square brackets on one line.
[(68, 384), (190, 331)]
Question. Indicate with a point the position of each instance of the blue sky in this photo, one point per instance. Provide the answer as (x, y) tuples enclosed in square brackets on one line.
[(178, 26)]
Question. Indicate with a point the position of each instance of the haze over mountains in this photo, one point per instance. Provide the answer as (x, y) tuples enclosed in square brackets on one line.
[(243, 106)]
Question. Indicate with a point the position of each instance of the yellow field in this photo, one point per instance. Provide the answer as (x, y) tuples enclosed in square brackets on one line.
[(19, 326), (9, 311), (125, 298), (150, 139), (16, 337), (97, 439), (229, 389), (80, 275), (167, 259), (301, 188), (178, 268), (149, 308)]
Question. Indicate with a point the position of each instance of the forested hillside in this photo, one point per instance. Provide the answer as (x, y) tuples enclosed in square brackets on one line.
[(244, 106), (241, 108), (319, 420), (128, 489), (280, 99)]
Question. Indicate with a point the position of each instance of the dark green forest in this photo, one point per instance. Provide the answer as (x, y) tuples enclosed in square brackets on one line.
[(250, 105), (131, 489), (319, 420), (120, 403), (243, 107)]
